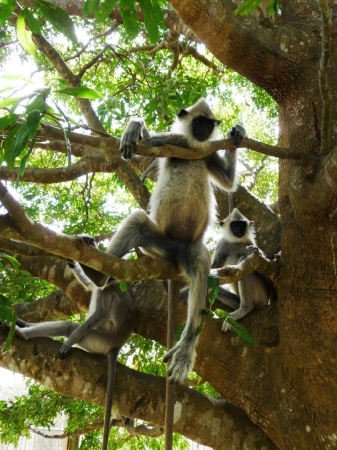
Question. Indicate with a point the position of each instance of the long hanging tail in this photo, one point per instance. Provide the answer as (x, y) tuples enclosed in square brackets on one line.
[(112, 361), (173, 300)]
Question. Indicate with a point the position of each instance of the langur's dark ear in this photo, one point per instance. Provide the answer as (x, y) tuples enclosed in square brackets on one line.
[(182, 113)]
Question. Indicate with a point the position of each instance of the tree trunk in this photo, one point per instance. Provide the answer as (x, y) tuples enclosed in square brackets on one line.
[(289, 388)]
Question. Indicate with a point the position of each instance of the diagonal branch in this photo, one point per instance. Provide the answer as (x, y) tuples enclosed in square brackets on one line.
[(17, 225), (73, 81), (254, 262)]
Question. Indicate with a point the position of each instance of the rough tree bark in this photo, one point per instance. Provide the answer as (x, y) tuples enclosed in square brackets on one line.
[(291, 394), (286, 385)]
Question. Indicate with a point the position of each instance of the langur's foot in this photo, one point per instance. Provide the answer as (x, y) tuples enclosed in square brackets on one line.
[(182, 357)]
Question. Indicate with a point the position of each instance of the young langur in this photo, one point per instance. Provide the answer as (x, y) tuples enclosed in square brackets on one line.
[(106, 329), (254, 290), (181, 208)]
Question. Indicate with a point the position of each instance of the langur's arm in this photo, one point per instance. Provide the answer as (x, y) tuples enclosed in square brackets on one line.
[(223, 169), (80, 275), (220, 254), (136, 131)]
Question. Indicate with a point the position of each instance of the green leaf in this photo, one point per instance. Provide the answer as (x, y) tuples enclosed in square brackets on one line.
[(130, 19), (6, 310), (90, 6), (8, 120), (33, 122), (15, 263), (25, 158), (81, 92), (8, 142), (199, 329), (37, 103), (213, 286), (6, 11), (123, 285), (104, 10), (25, 36), (178, 332), (221, 313), (58, 18), (12, 101), (33, 24), (247, 7), (241, 332), (153, 18), (20, 142), (10, 334), (65, 134)]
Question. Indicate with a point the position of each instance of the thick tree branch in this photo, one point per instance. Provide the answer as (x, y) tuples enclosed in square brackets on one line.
[(55, 306), (20, 227), (265, 57), (35, 358)]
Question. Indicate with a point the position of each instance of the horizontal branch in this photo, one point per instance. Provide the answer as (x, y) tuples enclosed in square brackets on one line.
[(36, 358), (109, 145)]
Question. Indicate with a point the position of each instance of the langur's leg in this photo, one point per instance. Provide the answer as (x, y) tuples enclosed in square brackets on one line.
[(251, 295), (45, 329), (94, 341), (138, 230), (196, 262)]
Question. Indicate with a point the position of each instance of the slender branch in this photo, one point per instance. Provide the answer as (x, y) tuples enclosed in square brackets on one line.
[(73, 81), (323, 76), (109, 143), (93, 61), (93, 427)]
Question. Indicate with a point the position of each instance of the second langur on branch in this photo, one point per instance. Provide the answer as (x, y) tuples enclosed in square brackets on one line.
[(237, 242), (106, 329), (181, 207)]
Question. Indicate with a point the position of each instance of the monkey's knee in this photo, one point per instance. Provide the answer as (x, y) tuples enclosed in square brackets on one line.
[(22, 324), (21, 332)]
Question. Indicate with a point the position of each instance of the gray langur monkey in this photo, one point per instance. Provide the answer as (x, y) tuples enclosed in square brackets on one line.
[(181, 208), (106, 329), (238, 235)]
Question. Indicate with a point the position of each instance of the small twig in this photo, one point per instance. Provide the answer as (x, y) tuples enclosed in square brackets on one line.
[(323, 77), (93, 61)]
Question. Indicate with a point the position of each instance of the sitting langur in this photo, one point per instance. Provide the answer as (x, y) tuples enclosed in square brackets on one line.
[(181, 208), (254, 290), (106, 329)]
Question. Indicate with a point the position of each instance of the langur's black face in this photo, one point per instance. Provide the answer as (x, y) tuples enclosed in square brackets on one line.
[(202, 127), (238, 228)]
